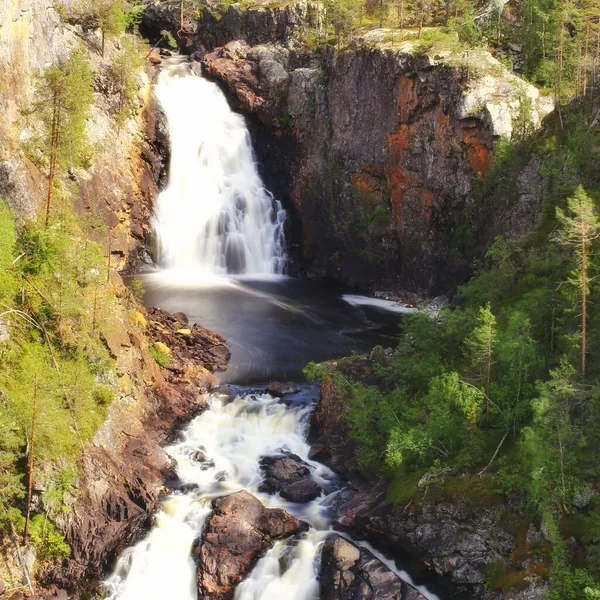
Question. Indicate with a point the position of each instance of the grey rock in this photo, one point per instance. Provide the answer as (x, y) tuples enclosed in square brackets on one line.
[(4, 335), (349, 572)]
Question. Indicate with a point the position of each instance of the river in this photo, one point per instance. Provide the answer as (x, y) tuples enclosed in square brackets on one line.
[(222, 254)]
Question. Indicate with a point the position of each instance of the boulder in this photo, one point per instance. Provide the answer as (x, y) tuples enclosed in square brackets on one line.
[(280, 471), (154, 57), (192, 354), (281, 388), (352, 573), (301, 491), (289, 475), (238, 532)]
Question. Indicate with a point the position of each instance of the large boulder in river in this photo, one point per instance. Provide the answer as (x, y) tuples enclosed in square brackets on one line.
[(352, 573), (238, 532), (289, 475)]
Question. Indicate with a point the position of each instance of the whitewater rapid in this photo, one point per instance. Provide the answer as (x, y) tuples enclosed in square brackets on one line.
[(215, 215), (234, 435)]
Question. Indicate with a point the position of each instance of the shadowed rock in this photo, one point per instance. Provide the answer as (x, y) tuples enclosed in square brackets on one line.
[(290, 476), (352, 573)]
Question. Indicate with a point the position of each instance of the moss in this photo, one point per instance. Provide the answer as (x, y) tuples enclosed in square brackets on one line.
[(404, 489), (158, 353), (474, 491)]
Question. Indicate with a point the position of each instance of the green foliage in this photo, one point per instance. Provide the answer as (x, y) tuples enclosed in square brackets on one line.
[(136, 287), (51, 398), (63, 100), (162, 358), (315, 372), (168, 38), (47, 539), (124, 71), (8, 239)]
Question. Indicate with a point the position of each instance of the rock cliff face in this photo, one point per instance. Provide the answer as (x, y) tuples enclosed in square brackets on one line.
[(389, 145), (122, 471), (120, 183), (124, 468), (377, 148)]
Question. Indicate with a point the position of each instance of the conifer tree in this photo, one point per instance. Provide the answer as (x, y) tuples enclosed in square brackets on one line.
[(65, 97), (111, 19), (34, 403), (579, 230), (480, 345)]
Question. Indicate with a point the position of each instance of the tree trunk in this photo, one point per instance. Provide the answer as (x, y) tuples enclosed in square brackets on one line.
[(30, 463), (54, 139), (488, 382), (583, 300), (585, 57)]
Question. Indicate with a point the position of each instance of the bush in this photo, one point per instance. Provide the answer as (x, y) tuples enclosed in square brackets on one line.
[(160, 356), (47, 539)]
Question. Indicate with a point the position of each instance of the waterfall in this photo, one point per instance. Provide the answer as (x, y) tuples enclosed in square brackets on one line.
[(215, 215)]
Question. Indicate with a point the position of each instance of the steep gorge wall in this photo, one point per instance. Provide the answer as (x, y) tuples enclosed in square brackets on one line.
[(122, 470), (390, 147), (378, 149), (119, 185)]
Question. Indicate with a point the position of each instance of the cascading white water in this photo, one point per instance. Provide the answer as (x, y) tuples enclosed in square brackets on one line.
[(234, 435), (215, 214)]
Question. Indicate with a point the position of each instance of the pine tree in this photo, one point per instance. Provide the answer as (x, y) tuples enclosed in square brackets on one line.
[(34, 403), (480, 346), (65, 97), (579, 230), (111, 19)]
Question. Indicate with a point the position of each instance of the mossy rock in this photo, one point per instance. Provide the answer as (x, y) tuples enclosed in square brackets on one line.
[(162, 348)]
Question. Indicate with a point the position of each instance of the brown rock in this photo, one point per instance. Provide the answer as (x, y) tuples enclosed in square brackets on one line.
[(301, 491), (281, 388), (190, 354), (236, 535), (154, 57)]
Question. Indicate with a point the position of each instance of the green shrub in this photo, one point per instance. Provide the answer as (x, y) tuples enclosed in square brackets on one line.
[(47, 539), (161, 357)]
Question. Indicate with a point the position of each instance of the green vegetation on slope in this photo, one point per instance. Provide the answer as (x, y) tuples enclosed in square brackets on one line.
[(55, 370), (506, 381), (57, 307)]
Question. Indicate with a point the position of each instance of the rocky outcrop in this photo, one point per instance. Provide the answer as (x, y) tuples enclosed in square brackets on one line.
[(238, 532), (124, 468), (289, 476), (388, 145), (352, 573), (116, 189), (209, 27), (193, 351)]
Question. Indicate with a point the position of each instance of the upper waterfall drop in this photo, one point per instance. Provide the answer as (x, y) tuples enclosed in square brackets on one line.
[(215, 214)]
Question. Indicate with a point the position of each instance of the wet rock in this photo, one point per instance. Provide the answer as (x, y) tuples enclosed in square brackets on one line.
[(280, 471), (434, 129), (301, 491), (281, 388), (192, 355), (290, 476), (154, 57), (188, 488), (352, 573), (238, 532)]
